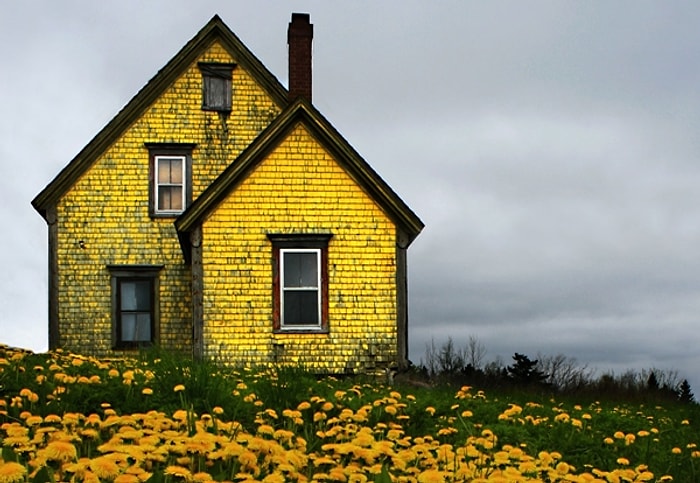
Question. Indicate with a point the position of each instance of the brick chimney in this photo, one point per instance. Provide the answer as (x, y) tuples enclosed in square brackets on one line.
[(299, 37)]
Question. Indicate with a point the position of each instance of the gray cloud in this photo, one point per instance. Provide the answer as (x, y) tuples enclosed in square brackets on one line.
[(550, 148)]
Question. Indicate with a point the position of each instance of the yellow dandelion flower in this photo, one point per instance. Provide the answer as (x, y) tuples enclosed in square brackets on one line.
[(430, 410), (11, 472), (623, 461), (619, 435), (303, 406), (248, 458), (695, 454), (60, 451), (180, 415), (432, 476), (666, 478), (147, 391), (608, 440), (52, 419), (274, 478), (179, 471), (685, 422), (676, 450), (127, 478), (562, 418), (179, 388), (390, 410), (104, 467), (327, 406), (562, 468), (218, 410), (629, 439), (34, 420)]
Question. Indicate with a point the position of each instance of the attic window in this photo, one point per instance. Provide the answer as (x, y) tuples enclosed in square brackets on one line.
[(216, 86)]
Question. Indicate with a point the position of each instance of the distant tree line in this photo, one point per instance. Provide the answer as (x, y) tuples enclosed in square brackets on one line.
[(467, 365)]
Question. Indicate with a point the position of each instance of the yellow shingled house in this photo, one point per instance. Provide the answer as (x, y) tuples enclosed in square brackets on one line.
[(220, 214)]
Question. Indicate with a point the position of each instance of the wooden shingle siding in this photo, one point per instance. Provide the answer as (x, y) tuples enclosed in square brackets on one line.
[(299, 188), (108, 207)]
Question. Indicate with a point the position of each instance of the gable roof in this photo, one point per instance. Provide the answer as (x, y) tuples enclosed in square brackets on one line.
[(300, 112), (215, 29)]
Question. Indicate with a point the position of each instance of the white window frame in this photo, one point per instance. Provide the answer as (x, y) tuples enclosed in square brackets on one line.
[(317, 288), (157, 184)]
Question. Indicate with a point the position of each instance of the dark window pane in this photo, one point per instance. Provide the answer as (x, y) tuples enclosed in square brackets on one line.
[(136, 295), (300, 269), (301, 307), (136, 327)]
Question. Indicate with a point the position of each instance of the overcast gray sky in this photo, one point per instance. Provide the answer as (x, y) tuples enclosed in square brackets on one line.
[(551, 148)]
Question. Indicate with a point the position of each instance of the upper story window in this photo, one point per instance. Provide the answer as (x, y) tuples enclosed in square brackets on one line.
[(300, 282), (217, 92), (170, 184), (171, 177)]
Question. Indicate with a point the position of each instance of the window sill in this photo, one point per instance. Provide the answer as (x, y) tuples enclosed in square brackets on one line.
[(301, 331), (172, 214)]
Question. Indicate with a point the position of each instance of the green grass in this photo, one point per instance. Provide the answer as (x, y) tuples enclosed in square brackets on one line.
[(602, 434)]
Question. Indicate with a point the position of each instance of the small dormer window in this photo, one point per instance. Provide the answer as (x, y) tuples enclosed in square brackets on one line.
[(216, 86)]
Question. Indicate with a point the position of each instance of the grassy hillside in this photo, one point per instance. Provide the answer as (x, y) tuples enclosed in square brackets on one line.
[(66, 417)]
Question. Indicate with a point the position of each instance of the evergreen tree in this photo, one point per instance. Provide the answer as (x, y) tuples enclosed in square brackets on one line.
[(652, 382), (524, 371), (685, 395)]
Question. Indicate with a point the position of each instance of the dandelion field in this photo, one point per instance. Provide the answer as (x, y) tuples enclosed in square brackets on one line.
[(163, 418)]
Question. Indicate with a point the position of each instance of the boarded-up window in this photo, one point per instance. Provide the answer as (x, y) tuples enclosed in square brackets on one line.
[(217, 90)]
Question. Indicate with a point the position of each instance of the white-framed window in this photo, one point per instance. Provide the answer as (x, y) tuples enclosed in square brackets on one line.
[(170, 186), (300, 287), (300, 281), (170, 178)]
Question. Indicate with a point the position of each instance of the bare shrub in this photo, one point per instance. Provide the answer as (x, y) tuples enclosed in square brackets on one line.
[(564, 373)]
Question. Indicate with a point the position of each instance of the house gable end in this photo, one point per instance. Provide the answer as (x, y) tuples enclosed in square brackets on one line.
[(300, 112), (215, 30)]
